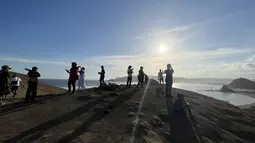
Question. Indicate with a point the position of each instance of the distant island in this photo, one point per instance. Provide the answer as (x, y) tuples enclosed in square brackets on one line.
[(240, 85), (216, 81)]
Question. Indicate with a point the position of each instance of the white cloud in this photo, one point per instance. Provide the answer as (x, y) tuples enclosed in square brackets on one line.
[(23, 60), (176, 29), (213, 63)]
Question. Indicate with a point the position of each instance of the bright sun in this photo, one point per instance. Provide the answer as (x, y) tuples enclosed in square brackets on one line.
[(162, 49)]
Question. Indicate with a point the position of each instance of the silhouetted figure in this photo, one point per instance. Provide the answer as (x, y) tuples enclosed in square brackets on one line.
[(129, 78), (160, 77), (140, 77), (73, 76), (32, 84), (102, 76), (15, 82), (146, 79), (180, 105), (169, 79), (81, 84), (4, 82)]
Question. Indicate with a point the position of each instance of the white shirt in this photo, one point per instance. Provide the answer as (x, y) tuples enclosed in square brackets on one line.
[(16, 79), (129, 72)]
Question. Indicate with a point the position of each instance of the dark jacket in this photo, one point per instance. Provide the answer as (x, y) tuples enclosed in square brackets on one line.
[(4, 81), (33, 76)]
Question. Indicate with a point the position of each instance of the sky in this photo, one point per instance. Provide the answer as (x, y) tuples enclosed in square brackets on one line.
[(211, 39)]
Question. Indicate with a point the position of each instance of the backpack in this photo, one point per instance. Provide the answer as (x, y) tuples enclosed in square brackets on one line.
[(14, 82)]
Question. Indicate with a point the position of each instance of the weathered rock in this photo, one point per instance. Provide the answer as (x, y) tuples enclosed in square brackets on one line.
[(141, 127), (226, 89), (131, 114), (115, 94), (152, 137), (157, 122), (141, 114), (154, 82), (164, 116)]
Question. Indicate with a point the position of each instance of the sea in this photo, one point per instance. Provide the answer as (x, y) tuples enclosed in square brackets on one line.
[(237, 99)]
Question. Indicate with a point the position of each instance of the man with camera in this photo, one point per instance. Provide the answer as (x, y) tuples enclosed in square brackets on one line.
[(129, 78)]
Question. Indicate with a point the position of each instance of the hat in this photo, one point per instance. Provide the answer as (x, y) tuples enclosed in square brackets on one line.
[(34, 68), (6, 67)]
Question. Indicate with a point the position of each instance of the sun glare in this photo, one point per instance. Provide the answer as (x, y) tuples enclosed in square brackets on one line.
[(162, 49)]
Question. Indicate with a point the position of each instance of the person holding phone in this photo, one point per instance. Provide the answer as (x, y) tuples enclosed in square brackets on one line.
[(32, 84), (73, 76), (102, 76), (129, 78), (169, 79)]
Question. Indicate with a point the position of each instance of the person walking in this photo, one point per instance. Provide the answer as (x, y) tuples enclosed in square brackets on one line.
[(15, 82), (4, 82), (32, 84), (129, 78), (140, 77), (102, 76), (73, 76), (81, 84), (160, 77), (169, 79)]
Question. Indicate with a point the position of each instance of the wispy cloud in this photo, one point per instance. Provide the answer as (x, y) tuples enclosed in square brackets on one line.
[(23, 60), (187, 27), (177, 29)]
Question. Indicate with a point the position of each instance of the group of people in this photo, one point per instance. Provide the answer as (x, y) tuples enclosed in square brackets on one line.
[(78, 73), (143, 78), (75, 73), (6, 87)]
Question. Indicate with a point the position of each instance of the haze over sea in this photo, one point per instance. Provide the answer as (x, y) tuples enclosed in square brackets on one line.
[(233, 98)]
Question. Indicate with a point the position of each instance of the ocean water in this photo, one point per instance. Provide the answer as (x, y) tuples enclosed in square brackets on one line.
[(233, 98)]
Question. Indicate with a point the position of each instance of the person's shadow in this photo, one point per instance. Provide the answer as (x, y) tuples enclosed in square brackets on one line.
[(19, 104), (34, 133), (181, 128)]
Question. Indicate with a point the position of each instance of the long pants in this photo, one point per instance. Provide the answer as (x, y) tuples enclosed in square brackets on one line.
[(129, 81), (71, 83), (161, 80), (169, 85), (31, 92), (140, 81), (101, 81), (81, 83)]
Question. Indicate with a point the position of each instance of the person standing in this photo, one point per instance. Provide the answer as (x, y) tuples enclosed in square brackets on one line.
[(4, 82), (140, 77), (81, 84), (129, 78), (160, 77), (15, 82), (169, 79), (102, 76), (32, 84), (146, 78), (73, 76)]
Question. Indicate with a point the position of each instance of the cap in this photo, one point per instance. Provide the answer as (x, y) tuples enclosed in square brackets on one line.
[(34, 68), (6, 67)]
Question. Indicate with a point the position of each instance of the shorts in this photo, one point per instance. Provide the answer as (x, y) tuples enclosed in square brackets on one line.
[(14, 88)]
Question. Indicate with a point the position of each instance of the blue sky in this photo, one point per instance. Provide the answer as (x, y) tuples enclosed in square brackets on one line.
[(200, 38)]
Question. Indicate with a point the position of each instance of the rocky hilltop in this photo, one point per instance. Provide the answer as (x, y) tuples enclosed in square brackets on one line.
[(126, 115)]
